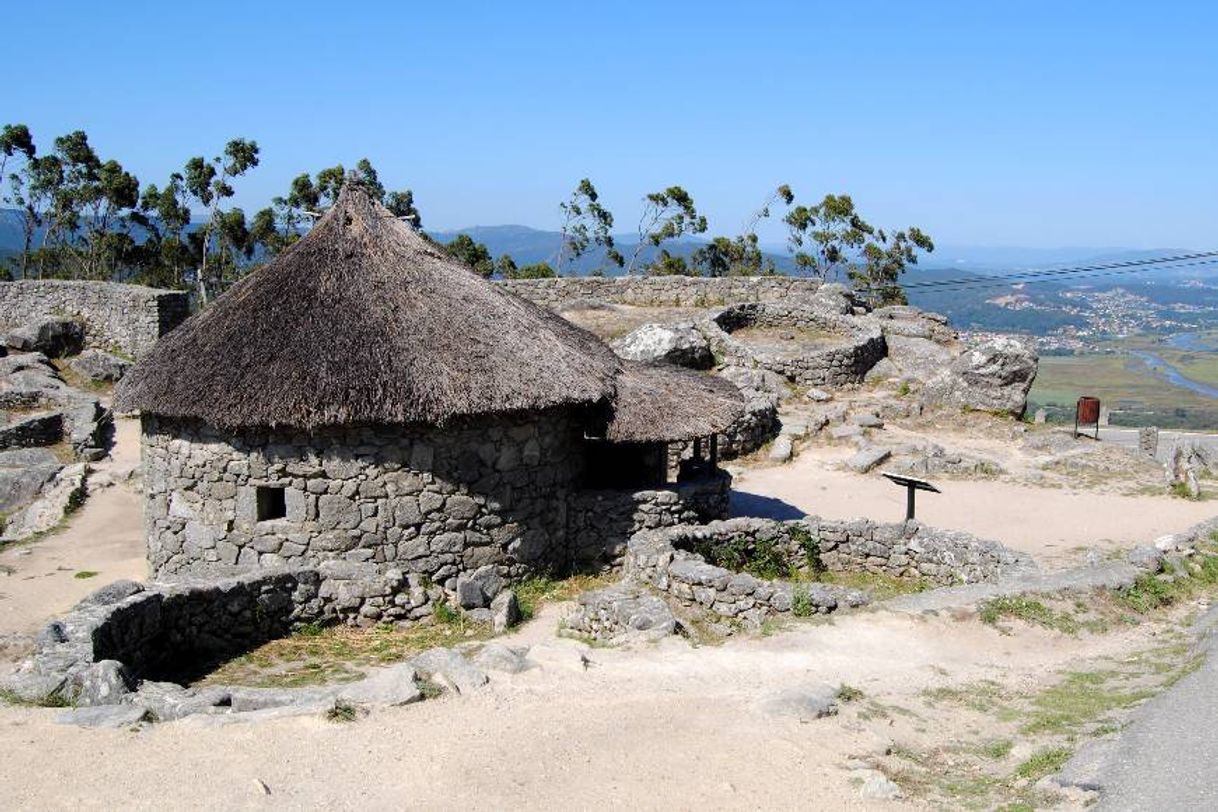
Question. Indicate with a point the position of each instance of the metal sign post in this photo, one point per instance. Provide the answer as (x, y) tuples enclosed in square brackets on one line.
[(912, 485)]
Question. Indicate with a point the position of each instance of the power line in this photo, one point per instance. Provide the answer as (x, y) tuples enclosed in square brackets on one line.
[(1080, 271)]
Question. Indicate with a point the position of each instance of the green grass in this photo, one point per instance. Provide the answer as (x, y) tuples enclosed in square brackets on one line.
[(848, 693), (997, 750), (1044, 762), (1028, 610), (534, 592), (1150, 592), (1081, 700), (342, 711), (880, 586), (83, 574)]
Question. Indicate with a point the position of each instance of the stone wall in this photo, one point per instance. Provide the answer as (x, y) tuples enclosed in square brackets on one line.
[(127, 318), (601, 521), (179, 631), (858, 344), (488, 493), (486, 501), (661, 291), (666, 559)]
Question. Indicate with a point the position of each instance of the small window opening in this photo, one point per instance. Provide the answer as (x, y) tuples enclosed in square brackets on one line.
[(271, 503)]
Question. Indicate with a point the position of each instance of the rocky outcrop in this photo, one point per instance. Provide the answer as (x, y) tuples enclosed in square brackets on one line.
[(53, 337), (993, 376), (680, 344), (100, 366)]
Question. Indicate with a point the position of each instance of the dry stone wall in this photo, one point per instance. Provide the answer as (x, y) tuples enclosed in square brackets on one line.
[(128, 318), (666, 559), (601, 521), (468, 507), (486, 493), (846, 360), (661, 291)]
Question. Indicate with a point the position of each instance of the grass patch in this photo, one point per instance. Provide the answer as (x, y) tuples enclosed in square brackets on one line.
[(1044, 762), (54, 700), (342, 711), (880, 586), (85, 574), (848, 693), (983, 696), (428, 688), (534, 592), (1080, 701), (1150, 592), (997, 750), (317, 655), (1028, 610)]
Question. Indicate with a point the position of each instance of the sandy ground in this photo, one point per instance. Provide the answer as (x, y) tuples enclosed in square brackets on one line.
[(38, 580), (665, 726), (1049, 523), (657, 727)]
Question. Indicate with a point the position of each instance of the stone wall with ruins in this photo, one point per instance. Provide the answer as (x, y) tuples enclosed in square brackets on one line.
[(127, 318), (661, 291)]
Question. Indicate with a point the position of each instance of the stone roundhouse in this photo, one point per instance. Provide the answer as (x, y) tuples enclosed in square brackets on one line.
[(366, 398)]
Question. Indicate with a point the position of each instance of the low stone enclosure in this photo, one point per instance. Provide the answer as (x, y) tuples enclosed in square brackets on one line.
[(708, 567), (117, 316), (127, 634), (130, 644), (846, 350)]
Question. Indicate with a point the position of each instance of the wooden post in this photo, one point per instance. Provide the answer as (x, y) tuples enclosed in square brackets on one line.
[(714, 450), (697, 449)]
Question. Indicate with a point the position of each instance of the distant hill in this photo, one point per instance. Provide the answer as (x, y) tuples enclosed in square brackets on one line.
[(530, 245)]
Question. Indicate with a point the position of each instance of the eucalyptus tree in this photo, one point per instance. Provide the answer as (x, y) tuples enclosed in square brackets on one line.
[(831, 239), (884, 260), (585, 223), (824, 236), (210, 183), (667, 215), (164, 214), (472, 253), (741, 255), (289, 216), (18, 165)]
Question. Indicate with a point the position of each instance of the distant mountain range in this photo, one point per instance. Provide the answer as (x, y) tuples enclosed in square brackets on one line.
[(1037, 307)]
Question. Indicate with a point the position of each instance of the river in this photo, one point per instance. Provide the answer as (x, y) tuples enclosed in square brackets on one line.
[(1192, 342)]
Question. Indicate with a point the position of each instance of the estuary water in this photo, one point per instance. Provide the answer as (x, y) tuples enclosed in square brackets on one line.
[(1192, 342)]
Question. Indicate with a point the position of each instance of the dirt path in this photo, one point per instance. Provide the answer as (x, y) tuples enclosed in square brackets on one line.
[(39, 580), (1051, 524), (651, 728)]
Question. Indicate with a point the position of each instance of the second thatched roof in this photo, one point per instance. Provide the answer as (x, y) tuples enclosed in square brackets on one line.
[(664, 403), (366, 321)]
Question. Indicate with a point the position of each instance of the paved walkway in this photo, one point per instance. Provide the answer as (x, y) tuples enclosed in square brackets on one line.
[(1165, 759), (1128, 438)]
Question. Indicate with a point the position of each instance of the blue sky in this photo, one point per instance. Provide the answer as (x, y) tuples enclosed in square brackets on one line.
[(1033, 124)]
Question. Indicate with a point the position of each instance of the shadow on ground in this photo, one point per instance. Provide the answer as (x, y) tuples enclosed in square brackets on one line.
[(762, 507)]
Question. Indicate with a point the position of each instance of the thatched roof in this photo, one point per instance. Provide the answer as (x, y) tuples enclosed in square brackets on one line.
[(665, 403), (366, 321)]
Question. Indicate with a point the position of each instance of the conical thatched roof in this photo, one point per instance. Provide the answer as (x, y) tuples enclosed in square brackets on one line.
[(658, 402), (365, 321)]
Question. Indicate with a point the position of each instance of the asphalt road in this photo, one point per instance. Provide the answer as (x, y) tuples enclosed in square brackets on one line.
[(1166, 759), (1129, 439)]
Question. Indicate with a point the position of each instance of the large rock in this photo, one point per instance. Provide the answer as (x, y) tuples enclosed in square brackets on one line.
[(59, 497), (54, 337), (918, 358), (99, 366), (28, 430), (993, 376), (452, 668), (620, 613), (680, 344), (23, 474), (751, 380)]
